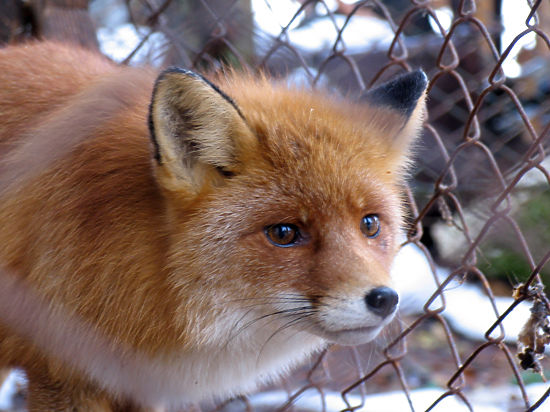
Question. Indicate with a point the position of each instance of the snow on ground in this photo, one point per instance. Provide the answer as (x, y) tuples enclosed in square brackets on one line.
[(503, 399)]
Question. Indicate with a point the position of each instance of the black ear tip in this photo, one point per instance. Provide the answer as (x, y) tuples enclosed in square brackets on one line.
[(401, 93), (418, 79), (178, 70)]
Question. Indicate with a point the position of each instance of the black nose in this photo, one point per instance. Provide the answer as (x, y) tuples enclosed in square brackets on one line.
[(382, 301)]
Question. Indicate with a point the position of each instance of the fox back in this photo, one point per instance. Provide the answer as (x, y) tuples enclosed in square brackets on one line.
[(209, 232)]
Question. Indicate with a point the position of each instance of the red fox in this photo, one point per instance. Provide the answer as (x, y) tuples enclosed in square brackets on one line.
[(184, 237)]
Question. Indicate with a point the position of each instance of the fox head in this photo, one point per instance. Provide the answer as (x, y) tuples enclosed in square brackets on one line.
[(286, 204)]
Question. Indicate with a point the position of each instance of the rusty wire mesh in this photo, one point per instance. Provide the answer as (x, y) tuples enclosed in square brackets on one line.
[(482, 162)]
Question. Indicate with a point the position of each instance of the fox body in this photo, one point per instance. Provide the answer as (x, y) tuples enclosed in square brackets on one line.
[(194, 237)]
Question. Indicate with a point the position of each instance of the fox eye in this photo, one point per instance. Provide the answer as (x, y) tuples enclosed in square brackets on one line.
[(370, 226), (282, 234)]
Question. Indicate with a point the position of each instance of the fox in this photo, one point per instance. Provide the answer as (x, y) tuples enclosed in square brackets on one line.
[(169, 237)]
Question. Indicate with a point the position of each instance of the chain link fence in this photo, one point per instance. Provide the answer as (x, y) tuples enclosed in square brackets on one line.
[(479, 196)]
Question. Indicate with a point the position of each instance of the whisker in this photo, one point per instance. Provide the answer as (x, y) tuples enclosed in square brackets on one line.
[(285, 312), (285, 297), (279, 312), (262, 302), (302, 306), (272, 302), (287, 325)]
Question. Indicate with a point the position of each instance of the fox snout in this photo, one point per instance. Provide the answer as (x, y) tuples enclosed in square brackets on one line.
[(382, 301)]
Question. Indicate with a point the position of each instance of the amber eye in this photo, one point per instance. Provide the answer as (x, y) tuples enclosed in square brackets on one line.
[(282, 234), (370, 226)]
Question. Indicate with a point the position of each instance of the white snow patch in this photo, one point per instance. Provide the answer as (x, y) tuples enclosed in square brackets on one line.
[(534, 177), (271, 17), (421, 399), (360, 34), (444, 16), (467, 307), (322, 33), (15, 380)]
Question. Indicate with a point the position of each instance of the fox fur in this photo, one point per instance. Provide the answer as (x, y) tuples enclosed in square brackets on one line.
[(137, 268)]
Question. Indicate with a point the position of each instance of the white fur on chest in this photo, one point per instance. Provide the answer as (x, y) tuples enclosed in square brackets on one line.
[(178, 379), (234, 370)]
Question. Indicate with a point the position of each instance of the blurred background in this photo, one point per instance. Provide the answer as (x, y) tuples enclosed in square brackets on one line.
[(474, 316)]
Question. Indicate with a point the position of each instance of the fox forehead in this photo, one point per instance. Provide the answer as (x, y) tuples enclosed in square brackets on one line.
[(293, 124), (316, 149)]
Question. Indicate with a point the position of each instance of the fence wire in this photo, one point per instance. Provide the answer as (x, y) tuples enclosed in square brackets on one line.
[(479, 197)]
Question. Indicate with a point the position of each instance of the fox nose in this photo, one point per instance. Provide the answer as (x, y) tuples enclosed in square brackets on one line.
[(382, 301)]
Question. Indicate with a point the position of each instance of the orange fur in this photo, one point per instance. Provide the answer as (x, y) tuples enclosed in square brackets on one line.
[(168, 264)]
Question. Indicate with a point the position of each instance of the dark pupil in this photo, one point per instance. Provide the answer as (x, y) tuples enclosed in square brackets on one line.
[(369, 223), (283, 233)]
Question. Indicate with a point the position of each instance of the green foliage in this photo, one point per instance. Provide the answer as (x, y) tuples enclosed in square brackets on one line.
[(530, 377), (504, 264), (503, 259), (535, 217)]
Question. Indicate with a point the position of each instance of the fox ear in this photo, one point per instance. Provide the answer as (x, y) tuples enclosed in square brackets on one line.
[(194, 128), (401, 94), (402, 102)]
